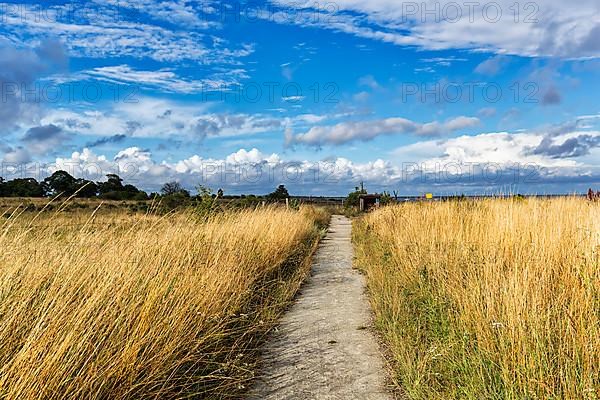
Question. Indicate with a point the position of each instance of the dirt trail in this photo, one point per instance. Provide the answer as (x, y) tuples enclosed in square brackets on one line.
[(323, 348)]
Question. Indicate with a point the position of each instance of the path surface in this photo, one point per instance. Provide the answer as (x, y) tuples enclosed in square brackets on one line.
[(323, 348)]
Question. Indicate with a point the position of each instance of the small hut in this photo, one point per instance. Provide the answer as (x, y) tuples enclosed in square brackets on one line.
[(369, 201)]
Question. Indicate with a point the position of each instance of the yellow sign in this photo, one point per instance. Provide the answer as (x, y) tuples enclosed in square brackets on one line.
[(429, 195)]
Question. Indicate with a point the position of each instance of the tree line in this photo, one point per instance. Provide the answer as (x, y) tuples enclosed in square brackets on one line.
[(61, 183), (64, 184)]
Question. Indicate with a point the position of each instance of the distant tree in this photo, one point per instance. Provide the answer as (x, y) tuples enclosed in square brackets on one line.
[(113, 189), (173, 187), (62, 183), (59, 183), (85, 188), (23, 187), (130, 189), (141, 196), (280, 193), (353, 199), (113, 184), (220, 193)]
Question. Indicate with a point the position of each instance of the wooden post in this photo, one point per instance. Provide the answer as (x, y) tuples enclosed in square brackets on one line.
[(287, 203)]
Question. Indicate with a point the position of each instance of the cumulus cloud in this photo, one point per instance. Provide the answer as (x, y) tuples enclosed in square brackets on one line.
[(504, 161), (244, 171), (577, 146), (346, 132), (562, 150), (461, 164), (568, 139), (466, 163), (253, 156)]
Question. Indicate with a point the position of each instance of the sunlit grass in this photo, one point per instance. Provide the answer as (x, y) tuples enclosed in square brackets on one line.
[(117, 306), (494, 299)]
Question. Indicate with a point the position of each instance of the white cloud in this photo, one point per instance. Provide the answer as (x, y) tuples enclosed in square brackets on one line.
[(310, 118), (346, 132), (19, 155), (164, 79), (487, 112), (112, 29), (241, 171), (253, 156), (492, 66), (361, 97), (252, 171), (551, 28), (160, 119), (453, 165), (500, 148), (191, 14), (133, 164), (443, 61), (459, 123)]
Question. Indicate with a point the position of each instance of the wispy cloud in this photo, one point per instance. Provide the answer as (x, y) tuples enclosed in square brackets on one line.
[(165, 80), (114, 29), (551, 28)]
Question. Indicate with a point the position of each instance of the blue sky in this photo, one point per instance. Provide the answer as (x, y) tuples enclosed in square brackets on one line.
[(433, 96)]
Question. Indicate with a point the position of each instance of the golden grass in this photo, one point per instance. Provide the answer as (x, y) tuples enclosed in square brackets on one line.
[(118, 306), (495, 299)]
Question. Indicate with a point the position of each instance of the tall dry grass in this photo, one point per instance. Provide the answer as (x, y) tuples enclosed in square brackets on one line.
[(495, 299), (118, 306)]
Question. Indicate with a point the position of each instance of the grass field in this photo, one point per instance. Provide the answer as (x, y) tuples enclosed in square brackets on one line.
[(111, 305), (77, 205), (494, 299)]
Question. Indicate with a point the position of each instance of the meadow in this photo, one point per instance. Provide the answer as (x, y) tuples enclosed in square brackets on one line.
[(490, 299), (118, 305)]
